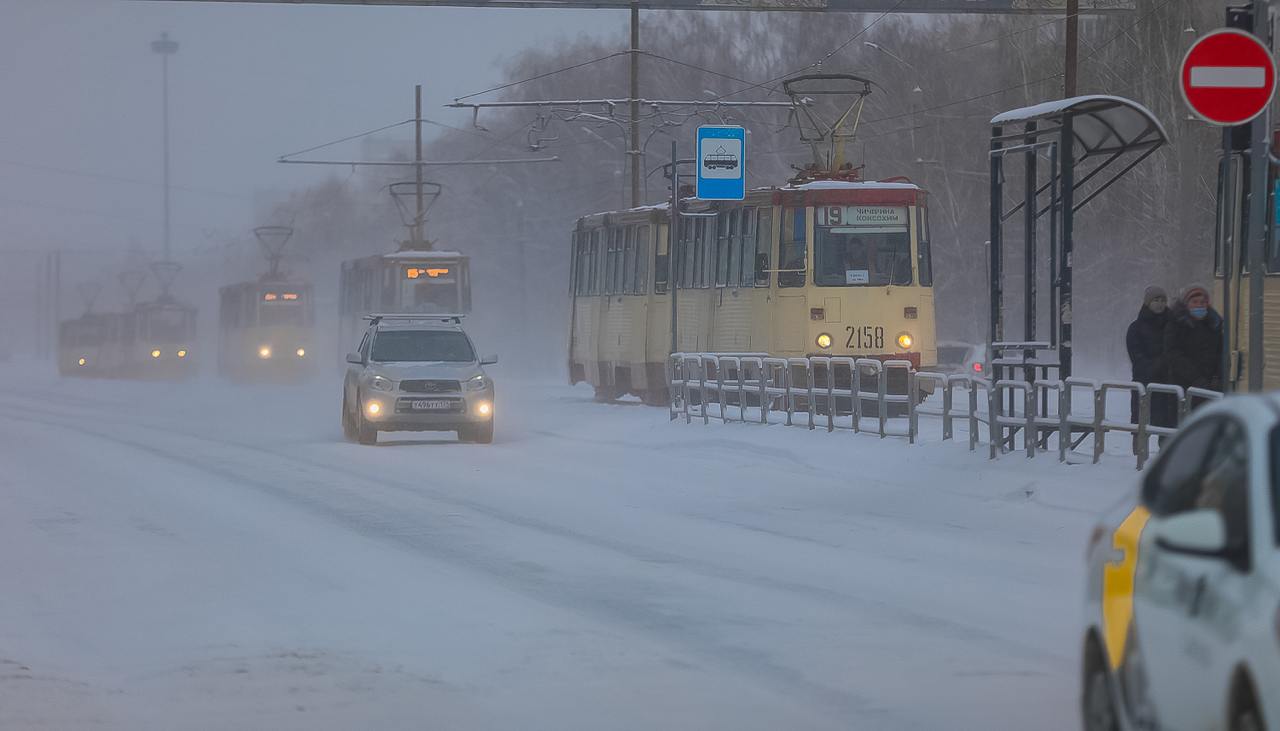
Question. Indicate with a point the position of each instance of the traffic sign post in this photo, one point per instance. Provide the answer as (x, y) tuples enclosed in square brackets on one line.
[(722, 163), (1228, 77)]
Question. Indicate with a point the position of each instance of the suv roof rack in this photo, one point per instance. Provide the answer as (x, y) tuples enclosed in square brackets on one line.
[(377, 318)]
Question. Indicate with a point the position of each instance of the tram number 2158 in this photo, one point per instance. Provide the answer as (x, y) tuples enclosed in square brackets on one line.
[(865, 337)]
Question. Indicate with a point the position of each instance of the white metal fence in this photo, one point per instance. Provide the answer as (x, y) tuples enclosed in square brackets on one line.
[(868, 395)]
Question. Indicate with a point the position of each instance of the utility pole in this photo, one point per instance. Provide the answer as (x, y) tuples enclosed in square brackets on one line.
[(1073, 47), (418, 223), (1259, 166), (165, 48), (633, 143)]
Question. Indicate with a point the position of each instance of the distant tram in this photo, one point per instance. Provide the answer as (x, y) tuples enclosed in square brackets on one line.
[(825, 267), (405, 282), (154, 340), (266, 329)]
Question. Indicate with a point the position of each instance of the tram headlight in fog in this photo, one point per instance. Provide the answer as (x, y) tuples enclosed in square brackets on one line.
[(905, 341), (155, 353), (264, 352), (182, 353), (301, 352), (82, 361), (824, 341)]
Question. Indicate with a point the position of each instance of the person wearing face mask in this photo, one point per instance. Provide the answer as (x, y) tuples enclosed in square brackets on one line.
[(1193, 341), (1145, 342)]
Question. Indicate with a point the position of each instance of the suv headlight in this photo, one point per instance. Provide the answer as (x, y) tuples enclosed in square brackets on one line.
[(477, 383), (379, 383)]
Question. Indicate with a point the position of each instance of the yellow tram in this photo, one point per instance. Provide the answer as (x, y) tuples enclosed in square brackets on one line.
[(824, 267), (410, 281), (266, 329)]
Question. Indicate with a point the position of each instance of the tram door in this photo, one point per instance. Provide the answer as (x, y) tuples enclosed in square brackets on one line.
[(792, 274)]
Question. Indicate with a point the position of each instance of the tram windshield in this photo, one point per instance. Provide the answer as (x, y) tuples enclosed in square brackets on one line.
[(286, 314), (416, 346), (167, 325), (858, 256), (430, 289)]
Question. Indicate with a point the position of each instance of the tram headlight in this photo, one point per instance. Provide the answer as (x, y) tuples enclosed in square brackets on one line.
[(264, 352), (379, 383), (182, 353), (301, 352), (477, 383), (155, 353), (82, 361), (905, 341), (824, 341)]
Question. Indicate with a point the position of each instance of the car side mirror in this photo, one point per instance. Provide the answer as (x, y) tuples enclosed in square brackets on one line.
[(489, 360), (1196, 532), (355, 358)]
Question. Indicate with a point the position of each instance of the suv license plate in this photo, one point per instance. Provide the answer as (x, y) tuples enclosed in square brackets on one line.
[(432, 405)]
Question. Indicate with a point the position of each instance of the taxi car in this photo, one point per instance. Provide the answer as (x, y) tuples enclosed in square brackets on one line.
[(417, 373), (1182, 626)]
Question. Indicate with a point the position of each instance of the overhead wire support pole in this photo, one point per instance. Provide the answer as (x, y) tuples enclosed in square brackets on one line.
[(633, 144), (418, 234), (165, 48), (1072, 38), (1259, 166)]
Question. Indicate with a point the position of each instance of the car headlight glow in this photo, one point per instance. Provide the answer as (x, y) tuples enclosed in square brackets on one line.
[(373, 408), (824, 341), (264, 352), (484, 408), (301, 352), (155, 353), (182, 353), (379, 383), (477, 383), (905, 341)]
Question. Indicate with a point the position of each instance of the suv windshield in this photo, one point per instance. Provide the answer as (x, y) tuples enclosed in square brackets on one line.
[(449, 346)]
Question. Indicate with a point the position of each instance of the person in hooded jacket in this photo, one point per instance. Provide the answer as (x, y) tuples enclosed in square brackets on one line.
[(1193, 341), (1145, 343)]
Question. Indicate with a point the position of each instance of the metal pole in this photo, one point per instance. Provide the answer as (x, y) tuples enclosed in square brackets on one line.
[(633, 141), (995, 333), (1260, 165), (1067, 159), (417, 137), (165, 48), (1029, 234), (673, 235), (1229, 209), (1072, 42)]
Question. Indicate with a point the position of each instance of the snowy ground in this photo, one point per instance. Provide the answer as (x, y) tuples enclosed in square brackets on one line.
[(212, 556)]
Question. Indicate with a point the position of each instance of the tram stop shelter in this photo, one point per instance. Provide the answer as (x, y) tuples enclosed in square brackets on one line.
[(1090, 143)]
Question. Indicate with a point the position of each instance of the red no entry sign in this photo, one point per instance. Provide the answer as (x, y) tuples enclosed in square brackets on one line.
[(1228, 77)]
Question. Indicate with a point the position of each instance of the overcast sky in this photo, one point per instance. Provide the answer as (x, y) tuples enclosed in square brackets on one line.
[(80, 92)]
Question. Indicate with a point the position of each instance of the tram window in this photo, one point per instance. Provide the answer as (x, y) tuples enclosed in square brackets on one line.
[(792, 249), (641, 281), (746, 248), (850, 256), (764, 245), (278, 315), (661, 265), (699, 250), (707, 228), (166, 325), (595, 265), (725, 226), (924, 251), (629, 262), (688, 252)]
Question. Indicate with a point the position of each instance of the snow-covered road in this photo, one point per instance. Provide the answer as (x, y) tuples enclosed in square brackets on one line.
[(211, 556)]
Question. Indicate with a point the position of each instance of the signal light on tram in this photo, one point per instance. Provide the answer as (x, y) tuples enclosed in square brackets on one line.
[(824, 341), (155, 353), (182, 353), (289, 296), (415, 272), (269, 297)]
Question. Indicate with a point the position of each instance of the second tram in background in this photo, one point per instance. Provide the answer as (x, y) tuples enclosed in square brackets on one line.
[(409, 281), (266, 327)]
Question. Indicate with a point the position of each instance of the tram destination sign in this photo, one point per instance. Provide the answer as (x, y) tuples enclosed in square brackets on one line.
[(722, 163)]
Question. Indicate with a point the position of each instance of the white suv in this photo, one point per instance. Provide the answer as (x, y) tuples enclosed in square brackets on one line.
[(417, 373), (1183, 600)]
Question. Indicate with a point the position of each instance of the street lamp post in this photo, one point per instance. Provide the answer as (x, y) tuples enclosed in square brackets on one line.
[(165, 48)]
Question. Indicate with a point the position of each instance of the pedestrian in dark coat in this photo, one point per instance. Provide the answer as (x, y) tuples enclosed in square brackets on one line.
[(1193, 341), (1145, 343)]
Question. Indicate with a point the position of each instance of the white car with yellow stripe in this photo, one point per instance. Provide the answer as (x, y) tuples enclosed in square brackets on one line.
[(1183, 601)]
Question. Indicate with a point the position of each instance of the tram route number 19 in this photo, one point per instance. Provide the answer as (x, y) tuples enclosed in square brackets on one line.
[(865, 337)]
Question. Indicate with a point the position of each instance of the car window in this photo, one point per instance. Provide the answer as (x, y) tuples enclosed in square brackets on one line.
[(1275, 482), (1172, 487), (414, 346)]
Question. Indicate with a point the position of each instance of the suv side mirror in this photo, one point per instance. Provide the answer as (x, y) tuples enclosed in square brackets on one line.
[(1196, 532), (355, 358), (489, 360)]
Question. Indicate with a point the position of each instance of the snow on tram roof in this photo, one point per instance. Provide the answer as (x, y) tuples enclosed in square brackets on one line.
[(851, 185), (423, 255)]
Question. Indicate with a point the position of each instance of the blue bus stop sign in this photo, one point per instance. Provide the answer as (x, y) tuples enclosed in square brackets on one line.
[(722, 163)]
